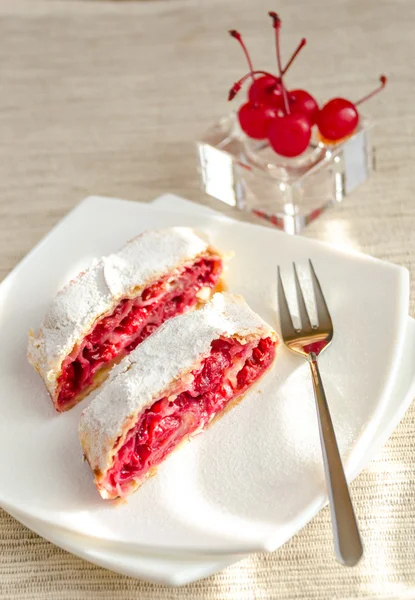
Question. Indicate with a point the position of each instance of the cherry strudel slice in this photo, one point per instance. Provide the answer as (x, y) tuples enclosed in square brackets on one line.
[(110, 308), (170, 388)]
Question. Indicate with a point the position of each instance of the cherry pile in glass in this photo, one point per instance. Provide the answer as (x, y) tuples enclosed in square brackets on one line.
[(286, 117)]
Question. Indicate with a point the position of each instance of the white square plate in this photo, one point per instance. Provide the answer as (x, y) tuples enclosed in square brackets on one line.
[(255, 478), (179, 570)]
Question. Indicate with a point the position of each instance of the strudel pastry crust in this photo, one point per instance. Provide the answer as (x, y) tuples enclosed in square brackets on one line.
[(170, 388), (144, 273)]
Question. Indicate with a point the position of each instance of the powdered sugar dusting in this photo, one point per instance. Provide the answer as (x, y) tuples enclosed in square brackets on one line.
[(96, 292), (145, 375)]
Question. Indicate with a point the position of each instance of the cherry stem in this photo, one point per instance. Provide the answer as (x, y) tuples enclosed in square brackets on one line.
[(287, 66), (237, 86), (235, 34), (383, 80), (294, 56), (277, 27), (245, 77)]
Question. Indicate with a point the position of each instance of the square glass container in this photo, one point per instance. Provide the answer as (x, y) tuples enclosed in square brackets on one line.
[(288, 192)]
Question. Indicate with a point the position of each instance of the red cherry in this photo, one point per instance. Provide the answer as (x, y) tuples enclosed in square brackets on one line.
[(255, 119), (340, 117), (238, 84), (266, 90), (302, 102), (290, 135), (337, 119)]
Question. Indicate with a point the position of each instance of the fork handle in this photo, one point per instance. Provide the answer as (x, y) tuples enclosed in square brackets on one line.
[(347, 542)]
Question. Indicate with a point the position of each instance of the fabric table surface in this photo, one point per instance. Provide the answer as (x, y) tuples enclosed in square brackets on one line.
[(101, 97)]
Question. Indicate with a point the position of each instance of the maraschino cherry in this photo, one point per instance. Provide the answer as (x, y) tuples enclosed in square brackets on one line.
[(289, 134), (339, 117), (303, 103), (266, 90), (255, 119)]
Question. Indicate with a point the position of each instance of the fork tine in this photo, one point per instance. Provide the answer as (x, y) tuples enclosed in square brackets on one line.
[(324, 318), (286, 322), (305, 319)]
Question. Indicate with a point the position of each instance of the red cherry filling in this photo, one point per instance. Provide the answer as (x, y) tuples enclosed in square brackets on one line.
[(229, 370), (130, 323)]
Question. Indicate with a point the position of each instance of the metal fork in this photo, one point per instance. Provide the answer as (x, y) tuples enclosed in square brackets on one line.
[(310, 341)]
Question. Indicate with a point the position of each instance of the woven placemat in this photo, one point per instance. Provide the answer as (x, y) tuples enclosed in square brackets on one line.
[(107, 98)]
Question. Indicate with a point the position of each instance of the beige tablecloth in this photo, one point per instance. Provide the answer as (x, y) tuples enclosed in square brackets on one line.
[(107, 98)]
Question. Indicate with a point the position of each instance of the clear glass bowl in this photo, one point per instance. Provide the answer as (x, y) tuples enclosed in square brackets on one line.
[(287, 192)]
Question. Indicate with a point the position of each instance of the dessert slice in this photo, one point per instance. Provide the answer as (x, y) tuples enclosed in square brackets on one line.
[(170, 388), (104, 313)]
